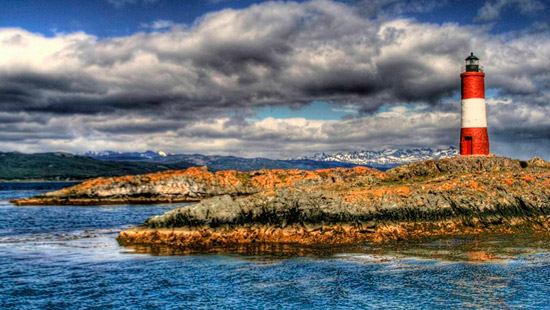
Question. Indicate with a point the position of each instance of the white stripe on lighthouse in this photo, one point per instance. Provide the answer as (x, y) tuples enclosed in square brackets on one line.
[(473, 113)]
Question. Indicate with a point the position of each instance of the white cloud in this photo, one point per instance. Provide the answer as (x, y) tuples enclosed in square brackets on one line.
[(516, 130), (160, 24), (492, 10)]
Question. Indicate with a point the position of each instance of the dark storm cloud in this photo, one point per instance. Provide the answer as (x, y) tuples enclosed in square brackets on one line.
[(520, 120), (62, 84), (29, 91), (269, 54), (13, 95), (32, 136), (230, 59)]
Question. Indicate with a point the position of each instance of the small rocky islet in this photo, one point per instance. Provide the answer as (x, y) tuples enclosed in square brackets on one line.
[(465, 195)]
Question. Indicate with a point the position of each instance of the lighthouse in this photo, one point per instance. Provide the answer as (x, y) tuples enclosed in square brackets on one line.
[(474, 139)]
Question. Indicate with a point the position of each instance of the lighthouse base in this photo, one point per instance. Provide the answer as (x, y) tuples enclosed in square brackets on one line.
[(474, 141)]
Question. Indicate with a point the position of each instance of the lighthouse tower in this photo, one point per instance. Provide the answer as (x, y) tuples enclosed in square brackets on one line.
[(474, 139)]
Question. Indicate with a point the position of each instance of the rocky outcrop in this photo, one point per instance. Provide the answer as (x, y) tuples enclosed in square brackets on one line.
[(458, 165), (195, 184), (462, 195), (468, 195)]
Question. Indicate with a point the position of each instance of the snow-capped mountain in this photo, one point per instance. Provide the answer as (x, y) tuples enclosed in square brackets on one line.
[(379, 159), (385, 158), (214, 162)]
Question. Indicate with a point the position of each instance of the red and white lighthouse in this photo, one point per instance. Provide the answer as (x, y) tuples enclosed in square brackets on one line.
[(474, 139)]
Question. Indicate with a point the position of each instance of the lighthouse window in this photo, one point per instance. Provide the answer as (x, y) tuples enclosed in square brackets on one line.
[(468, 138), (474, 62)]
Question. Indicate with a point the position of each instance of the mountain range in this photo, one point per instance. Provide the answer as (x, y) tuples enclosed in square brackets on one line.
[(385, 158), (65, 166), (217, 162), (382, 159)]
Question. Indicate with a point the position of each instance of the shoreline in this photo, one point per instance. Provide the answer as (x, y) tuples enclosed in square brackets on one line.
[(96, 202), (325, 238), (41, 181)]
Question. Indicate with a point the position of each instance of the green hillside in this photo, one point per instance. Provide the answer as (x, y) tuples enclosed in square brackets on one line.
[(64, 166)]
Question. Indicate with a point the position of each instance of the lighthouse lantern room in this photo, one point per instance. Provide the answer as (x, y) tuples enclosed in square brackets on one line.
[(472, 63), (474, 139)]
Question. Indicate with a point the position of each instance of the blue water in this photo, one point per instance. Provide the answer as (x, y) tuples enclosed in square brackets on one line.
[(67, 258)]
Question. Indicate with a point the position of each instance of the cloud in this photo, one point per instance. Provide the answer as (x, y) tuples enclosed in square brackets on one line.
[(173, 89), (491, 10), (271, 137), (160, 24), (397, 127), (316, 50), (516, 129)]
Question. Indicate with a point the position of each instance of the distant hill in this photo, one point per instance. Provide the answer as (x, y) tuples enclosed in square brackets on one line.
[(64, 166), (217, 162)]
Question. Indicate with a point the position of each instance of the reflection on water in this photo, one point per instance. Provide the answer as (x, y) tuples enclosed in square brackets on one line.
[(483, 248), (67, 258)]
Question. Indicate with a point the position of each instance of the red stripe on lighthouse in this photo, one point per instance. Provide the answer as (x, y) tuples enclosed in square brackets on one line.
[(474, 141), (473, 85)]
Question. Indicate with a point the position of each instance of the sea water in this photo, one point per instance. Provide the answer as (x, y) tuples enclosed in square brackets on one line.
[(63, 257)]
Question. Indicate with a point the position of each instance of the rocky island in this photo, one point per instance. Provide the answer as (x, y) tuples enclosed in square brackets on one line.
[(340, 206)]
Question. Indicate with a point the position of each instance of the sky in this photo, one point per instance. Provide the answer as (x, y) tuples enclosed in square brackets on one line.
[(276, 79)]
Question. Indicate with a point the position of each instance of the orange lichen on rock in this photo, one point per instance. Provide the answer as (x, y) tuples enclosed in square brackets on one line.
[(480, 256), (402, 190), (197, 183), (475, 185), (367, 194), (449, 185), (355, 195), (278, 178), (229, 178)]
